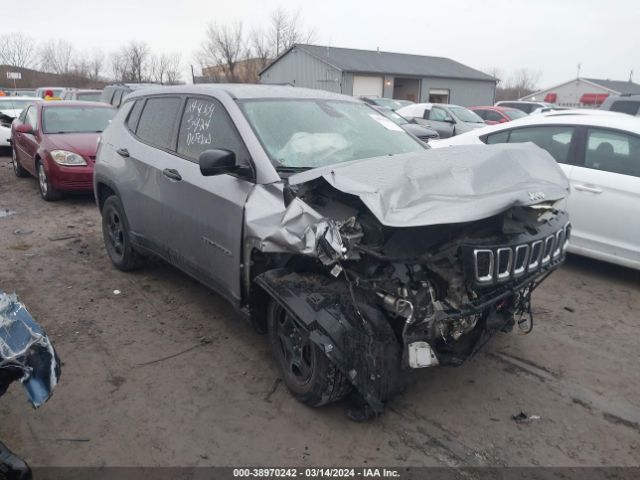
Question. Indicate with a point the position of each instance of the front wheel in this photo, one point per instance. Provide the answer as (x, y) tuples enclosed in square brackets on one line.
[(17, 168), (115, 232), (307, 372), (47, 192)]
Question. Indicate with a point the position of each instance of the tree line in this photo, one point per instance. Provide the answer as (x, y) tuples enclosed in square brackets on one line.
[(223, 47)]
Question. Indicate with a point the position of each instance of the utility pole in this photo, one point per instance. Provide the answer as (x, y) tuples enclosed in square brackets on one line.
[(631, 76), (579, 66), (193, 77)]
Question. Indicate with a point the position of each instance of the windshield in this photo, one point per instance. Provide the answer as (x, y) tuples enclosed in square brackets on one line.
[(14, 104), (465, 115), (514, 114), (76, 119), (89, 96), (386, 102), (301, 133), (393, 116)]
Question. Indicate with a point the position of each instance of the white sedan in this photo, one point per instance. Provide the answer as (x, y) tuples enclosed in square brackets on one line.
[(10, 108), (600, 154)]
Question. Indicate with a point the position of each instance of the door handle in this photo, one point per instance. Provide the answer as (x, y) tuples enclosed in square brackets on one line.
[(588, 188), (123, 152), (172, 174)]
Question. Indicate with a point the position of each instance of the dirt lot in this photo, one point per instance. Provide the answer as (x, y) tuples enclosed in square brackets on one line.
[(222, 403)]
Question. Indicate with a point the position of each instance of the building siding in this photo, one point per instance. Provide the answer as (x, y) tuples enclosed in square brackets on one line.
[(300, 69), (569, 93), (465, 93)]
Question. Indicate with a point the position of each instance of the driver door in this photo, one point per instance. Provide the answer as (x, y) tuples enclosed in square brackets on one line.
[(207, 212)]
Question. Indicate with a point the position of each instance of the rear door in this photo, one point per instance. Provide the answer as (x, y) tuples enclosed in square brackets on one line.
[(147, 154), (208, 212), (605, 198)]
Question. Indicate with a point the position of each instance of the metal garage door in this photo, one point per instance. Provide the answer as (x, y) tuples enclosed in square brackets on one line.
[(367, 85)]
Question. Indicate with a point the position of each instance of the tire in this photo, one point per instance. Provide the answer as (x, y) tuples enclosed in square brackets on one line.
[(115, 232), (17, 168), (307, 372), (47, 192)]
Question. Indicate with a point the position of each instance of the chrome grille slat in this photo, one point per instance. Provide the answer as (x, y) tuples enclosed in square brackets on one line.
[(498, 264)]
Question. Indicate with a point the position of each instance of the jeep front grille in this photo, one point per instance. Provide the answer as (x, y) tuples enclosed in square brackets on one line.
[(499, 264)]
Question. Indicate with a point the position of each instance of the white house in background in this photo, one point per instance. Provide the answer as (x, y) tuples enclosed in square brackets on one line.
[(583, 92)]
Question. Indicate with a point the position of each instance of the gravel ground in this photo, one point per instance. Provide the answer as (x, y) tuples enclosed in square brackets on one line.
[(221, 402)]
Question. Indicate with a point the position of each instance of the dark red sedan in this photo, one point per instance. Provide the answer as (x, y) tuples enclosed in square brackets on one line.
[(495, 115), (56, 142)]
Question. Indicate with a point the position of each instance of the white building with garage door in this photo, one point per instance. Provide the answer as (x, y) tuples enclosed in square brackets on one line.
[(369, 72)]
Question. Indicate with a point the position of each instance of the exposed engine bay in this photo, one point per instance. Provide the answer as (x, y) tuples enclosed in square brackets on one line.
[(379, 299)]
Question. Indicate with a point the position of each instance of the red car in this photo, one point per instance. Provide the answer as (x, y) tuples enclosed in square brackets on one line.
[(56, 142), (495, 115)]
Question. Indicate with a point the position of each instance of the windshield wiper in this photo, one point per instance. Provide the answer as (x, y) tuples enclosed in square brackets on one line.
[(287, 169)]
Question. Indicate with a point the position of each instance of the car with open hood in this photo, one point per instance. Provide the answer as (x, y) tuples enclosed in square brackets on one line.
[(361, 252), (56, 142), (10, 108)]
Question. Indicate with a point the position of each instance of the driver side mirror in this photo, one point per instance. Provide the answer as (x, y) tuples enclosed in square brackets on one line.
[(217, 162), (24, 128), (449, 120)]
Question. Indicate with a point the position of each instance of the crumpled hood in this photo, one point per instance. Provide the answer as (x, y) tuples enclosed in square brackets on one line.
[(448, 185)]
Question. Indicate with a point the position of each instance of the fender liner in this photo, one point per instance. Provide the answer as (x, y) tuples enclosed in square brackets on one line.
[(360, 342)]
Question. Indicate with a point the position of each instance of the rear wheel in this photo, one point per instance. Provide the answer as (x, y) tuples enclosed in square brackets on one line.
[(47, 192), (17, 168), (115, 232), (307, 372)]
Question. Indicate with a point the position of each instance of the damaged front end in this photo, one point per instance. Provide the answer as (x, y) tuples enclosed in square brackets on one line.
[(380, 299)]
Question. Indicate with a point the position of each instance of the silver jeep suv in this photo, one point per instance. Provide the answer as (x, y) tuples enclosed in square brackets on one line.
[(359, 250)]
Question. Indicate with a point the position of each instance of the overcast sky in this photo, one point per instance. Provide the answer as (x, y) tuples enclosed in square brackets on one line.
[(552, 36)]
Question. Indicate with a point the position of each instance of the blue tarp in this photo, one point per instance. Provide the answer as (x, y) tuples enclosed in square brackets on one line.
[(26, 353)]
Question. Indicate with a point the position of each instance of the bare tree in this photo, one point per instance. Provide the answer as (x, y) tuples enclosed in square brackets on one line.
[(286, 29), (524, 81), (96, 64), (496, 73), (520, 83), (132, 63), (165, 68), (261, 48), (138, 57), (224, 45), (118, 65), (57, 56), (17, 50)]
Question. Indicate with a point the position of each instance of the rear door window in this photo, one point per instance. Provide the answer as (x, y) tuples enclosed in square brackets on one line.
[(626, 106), (500, 137), (493, 116), (437, 114), (206, 125), (134, 115), (481, 113), (554, 139), (613, 152), (158, 121)]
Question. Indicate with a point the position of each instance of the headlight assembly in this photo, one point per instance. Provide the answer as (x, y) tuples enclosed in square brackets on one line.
[(62, 157)]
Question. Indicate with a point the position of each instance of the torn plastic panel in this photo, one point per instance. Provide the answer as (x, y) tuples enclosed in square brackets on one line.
[(26, 353), (356, 336)]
